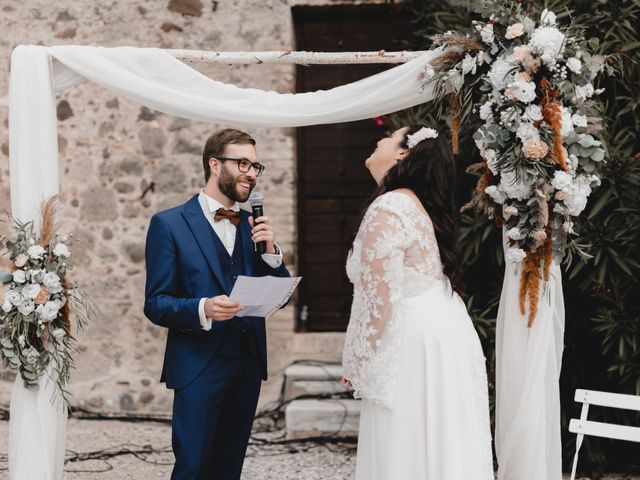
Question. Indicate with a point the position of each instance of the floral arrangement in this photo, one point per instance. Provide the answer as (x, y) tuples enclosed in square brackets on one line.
[(35, 317), (539, 138)]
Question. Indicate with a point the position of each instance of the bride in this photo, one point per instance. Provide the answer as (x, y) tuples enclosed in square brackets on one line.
[(411, 352)]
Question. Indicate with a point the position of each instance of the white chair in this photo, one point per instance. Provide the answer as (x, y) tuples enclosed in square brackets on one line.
[(599, 429)]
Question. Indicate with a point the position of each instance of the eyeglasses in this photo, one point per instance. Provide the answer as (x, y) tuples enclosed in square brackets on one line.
[(245, 165)]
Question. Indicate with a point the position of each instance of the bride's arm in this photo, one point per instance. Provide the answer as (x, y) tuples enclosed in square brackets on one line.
[(384, 242)]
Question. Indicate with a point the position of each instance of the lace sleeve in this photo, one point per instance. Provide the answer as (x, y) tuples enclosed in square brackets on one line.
[(371, 343), (381, 265)]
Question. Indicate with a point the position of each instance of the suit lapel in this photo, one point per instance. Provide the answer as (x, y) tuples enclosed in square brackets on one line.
[(244, 230), (201, 230)]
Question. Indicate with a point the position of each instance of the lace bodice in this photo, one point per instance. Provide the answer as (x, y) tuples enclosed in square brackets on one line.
[(395, 255)]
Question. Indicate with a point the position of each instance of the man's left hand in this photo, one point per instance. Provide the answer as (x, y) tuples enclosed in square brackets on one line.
[(263, 232)]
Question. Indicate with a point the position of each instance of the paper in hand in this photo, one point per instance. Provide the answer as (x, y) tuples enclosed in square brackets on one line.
[(262, 296)]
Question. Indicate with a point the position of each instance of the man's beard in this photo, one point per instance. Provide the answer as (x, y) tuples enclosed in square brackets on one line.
[(227, 184)]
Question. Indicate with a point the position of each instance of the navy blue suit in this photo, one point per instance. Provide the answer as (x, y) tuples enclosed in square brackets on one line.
[(215, 374)]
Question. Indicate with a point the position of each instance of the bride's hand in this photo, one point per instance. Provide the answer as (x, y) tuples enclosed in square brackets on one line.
[(346, 382)]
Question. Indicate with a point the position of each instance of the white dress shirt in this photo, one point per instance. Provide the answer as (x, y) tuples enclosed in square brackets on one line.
[(226, 232)]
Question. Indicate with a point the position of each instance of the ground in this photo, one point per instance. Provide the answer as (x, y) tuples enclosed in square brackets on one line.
[(118, 450)]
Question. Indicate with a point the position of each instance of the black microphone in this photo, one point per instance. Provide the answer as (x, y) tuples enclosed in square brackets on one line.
[(256, 199)]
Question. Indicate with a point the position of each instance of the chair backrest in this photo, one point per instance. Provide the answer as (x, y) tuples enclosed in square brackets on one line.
[(601, 429), (584, 427)]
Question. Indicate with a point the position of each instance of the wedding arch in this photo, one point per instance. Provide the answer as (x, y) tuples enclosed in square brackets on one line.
[(528, 346)]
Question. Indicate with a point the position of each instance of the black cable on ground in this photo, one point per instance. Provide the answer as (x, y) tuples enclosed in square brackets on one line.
[(268, 437)]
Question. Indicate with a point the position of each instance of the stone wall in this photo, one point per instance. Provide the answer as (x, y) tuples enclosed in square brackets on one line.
[(120, 163)]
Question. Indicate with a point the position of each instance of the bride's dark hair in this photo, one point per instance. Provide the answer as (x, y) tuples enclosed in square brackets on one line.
[(429, 170)]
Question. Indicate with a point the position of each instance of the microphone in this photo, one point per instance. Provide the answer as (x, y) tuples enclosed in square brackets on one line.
[(256, 200)]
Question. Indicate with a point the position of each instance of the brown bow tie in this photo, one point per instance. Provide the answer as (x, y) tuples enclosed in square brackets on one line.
[(231, 215)]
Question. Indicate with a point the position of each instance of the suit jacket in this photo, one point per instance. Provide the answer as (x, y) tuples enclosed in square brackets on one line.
[(182, 267)]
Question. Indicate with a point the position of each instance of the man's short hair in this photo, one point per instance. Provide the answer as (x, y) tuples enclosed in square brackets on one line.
[(216, 143)]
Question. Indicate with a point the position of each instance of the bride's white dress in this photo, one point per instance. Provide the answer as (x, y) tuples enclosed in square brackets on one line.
[(413, 355)]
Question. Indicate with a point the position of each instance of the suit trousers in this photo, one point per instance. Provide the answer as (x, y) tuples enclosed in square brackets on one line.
[(213, 416)]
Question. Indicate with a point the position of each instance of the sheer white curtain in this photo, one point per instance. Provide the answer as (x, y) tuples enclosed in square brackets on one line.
[(528, 361)]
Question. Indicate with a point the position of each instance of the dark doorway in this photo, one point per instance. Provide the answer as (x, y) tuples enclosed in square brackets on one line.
[(333, 182)]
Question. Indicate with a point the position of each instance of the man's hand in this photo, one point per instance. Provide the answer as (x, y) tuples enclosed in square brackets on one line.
[(263, 232), (221, 308)]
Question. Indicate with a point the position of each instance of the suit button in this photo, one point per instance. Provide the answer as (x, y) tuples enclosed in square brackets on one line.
[(244, 330)]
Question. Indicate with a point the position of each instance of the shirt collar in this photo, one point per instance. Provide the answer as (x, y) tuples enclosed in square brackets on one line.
[(213, 205)]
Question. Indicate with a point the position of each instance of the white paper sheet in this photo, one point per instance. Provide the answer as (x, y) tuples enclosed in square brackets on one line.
[(263, 296)]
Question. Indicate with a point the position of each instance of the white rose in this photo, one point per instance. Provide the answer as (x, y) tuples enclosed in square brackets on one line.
[(6, 307), (585, 140), (514, 31), (513, 187), (515, 254), (548, 42), (527, 132), (574, 65), (515, 234), (21, 260), (19, 276), (469, 64), (21, 341), (489, 154), (31, 291), (36, 252), (561, 180), (509, 211), (487, 33), (58, 333), (13, 297), (51, 281), (533, 113), (522, 91), (577, 194), (26, 307), (548, 17), (485, 110), (49, 311), (567, 123), (502, 72), (495, 194), (579, 120), (521, 52), (61, 250), (583, 92)]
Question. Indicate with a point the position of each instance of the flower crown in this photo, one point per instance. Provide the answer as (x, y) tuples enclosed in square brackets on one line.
[(425, 132)]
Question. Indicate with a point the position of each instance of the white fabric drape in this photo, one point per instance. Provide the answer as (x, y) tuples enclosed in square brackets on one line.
[(528, 361), (154, 78), (37, 431)]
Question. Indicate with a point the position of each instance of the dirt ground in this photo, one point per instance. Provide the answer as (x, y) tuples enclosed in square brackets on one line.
[(117, 450)]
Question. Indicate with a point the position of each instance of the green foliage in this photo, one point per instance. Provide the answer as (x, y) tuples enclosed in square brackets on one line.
[(602, 276)]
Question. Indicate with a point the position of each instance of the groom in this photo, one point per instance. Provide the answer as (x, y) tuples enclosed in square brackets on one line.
[(214, 361)]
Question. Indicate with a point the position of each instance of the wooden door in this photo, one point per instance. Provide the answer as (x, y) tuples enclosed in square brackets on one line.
[(333, 182)]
